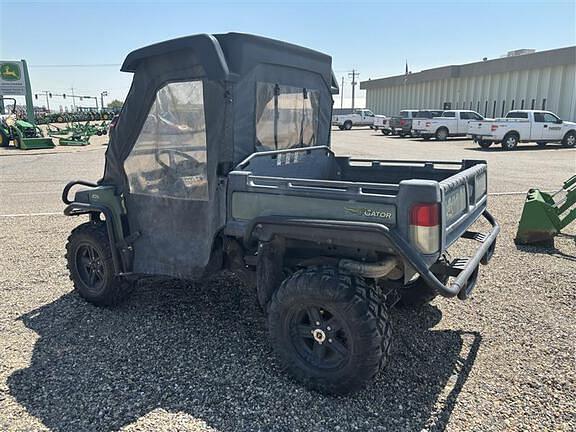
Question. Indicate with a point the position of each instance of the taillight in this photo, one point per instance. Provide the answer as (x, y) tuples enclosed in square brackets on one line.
[(493, 127), (402, 122), (425, 227)]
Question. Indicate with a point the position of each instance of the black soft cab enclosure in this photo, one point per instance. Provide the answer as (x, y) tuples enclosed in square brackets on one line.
[(221, 159)]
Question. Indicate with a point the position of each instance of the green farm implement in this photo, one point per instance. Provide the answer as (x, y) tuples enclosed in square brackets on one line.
[(545, 215), (25, 135), (77, 134)]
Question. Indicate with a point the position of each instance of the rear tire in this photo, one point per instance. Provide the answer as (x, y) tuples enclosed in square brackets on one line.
[(347, 125), (4, 139), (385, 132), (484, 144), (569, 140), (510, 141), (441, 134), (91, 268), (330, 330), (541, 143), (341, 127)]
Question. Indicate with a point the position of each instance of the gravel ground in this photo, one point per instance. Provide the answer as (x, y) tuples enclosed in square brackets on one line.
[(195, 356)]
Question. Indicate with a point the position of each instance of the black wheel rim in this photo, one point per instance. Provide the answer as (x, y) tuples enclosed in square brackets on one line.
[(90, 267), (319, 337)]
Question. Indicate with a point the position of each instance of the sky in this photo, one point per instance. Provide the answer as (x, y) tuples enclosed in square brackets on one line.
[(80, 44)]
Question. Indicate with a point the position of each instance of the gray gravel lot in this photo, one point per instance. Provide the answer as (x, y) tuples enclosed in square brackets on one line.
[(195, 356)]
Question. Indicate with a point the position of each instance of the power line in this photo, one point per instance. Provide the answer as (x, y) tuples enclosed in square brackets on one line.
[(75, 65)]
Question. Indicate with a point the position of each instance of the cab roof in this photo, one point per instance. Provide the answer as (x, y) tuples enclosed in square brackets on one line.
[(229, 55)]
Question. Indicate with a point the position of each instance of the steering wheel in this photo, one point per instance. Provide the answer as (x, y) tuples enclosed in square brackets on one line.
[(172, 154)]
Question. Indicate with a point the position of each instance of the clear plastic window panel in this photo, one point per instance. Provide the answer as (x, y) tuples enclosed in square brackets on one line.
[(286, 117), (169, 157)]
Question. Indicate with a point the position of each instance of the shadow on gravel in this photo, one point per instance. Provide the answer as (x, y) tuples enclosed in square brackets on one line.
[(548, 250), (203, 351)]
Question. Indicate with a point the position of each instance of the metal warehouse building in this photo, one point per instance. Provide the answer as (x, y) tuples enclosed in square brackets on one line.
[(537, 80)]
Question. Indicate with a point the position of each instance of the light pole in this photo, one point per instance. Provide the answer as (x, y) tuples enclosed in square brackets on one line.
[(104, 93)]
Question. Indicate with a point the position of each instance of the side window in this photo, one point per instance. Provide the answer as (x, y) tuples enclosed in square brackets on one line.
[(476, 116), (286, 117), (549, 118), (169, 156), (465, 116), (368, 113), (451, 114), (539, 117)]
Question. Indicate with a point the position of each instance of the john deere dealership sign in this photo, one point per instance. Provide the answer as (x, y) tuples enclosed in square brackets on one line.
[(12, 78)]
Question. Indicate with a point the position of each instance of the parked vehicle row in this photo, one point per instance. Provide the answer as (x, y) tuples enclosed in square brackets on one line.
[(518, 126)]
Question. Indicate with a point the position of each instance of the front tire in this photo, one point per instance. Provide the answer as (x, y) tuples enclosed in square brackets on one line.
[(484, 144), (90, 264), (385, 131), (330, 330), (347, 125), (569, 140)]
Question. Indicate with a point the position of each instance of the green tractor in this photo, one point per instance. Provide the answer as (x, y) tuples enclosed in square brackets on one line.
[(26, 136)]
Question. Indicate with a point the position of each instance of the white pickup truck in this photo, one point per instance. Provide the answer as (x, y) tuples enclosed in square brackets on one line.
[(360, 117), (541, 127), (382, 123), (450, 123)]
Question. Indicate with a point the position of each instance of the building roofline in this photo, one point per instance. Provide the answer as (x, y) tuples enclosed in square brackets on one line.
[(539, 59)]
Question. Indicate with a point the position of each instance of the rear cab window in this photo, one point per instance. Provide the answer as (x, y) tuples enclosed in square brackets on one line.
[(449, 114), (517, 115), (286, 116)]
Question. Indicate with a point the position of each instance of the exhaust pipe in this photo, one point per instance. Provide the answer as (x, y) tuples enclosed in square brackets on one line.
[(370, 270)]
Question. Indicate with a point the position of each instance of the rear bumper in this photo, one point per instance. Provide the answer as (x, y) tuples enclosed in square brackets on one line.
[(421, 132), (476, 137)]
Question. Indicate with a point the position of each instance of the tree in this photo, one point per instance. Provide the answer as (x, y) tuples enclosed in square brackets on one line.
[(115, 104)]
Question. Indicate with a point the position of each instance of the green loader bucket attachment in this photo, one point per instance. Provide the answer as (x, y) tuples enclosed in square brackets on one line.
[(543, 218), (36, 143)]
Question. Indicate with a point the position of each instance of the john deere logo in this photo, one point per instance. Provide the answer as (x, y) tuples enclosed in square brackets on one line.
[(362, 211), (10, 72)]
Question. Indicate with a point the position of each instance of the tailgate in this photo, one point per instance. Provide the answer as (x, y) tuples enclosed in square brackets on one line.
[(464, 197), (479, 127)]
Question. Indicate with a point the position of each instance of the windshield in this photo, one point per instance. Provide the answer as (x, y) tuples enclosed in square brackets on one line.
[(286, 117)]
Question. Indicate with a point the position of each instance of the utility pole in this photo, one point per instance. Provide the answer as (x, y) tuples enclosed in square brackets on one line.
[(73, 98), (353, 75), (104, 93), (342, 94)]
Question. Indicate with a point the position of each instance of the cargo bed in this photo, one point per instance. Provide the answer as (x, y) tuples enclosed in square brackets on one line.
[(313, 183)]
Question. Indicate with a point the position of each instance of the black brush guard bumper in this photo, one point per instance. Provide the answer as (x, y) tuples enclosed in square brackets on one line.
[(465, 271)]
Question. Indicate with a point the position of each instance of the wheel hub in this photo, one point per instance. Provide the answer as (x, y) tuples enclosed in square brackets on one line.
[(319, 335)]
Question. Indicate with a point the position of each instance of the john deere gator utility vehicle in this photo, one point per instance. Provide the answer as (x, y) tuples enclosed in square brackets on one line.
[(221, 160), (25, 135)]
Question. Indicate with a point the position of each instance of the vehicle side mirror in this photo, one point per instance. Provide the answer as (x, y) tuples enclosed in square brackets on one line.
[(559, 121)]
